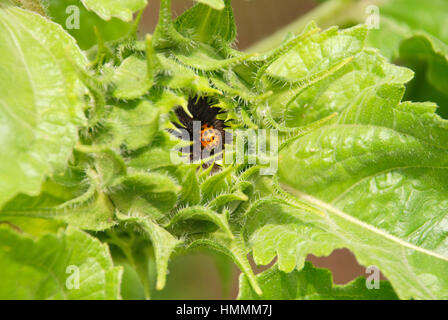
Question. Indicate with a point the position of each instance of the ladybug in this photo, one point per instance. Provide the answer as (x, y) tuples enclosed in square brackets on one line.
[(212, 130), (210, 137)]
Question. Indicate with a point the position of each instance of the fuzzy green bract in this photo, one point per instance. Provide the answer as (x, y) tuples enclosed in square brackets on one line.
[(88, 160)]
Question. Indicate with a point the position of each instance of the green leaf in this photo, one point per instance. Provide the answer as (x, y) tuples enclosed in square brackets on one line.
[(362, 169), (431, 15), (377, 172), (33, 226), (27, 263), (131, 286), (120, 9), (90, 210), (65, 13), (414, 33), (326, 71), (38, 122), (311, 284)]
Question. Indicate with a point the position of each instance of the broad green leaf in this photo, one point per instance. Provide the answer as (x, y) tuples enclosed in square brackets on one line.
[(291, 234), (414, 33), (322, 51), (326, 71), (40, 108), (121, 9), (311, 284), (79, 264), (378, 173), (81, 23), (430, 17)]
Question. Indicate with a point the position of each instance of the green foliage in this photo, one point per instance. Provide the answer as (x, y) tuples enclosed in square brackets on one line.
[(86, 146), (91, 26), (39, 124), (311, 284), (418, 41), (106, 9), (71, 257)]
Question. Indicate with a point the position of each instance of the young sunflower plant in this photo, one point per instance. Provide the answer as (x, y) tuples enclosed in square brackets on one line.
[(134, 150)]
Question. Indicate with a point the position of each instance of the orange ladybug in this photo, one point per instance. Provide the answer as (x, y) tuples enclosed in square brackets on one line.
[(212, 132), (210, 137)]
